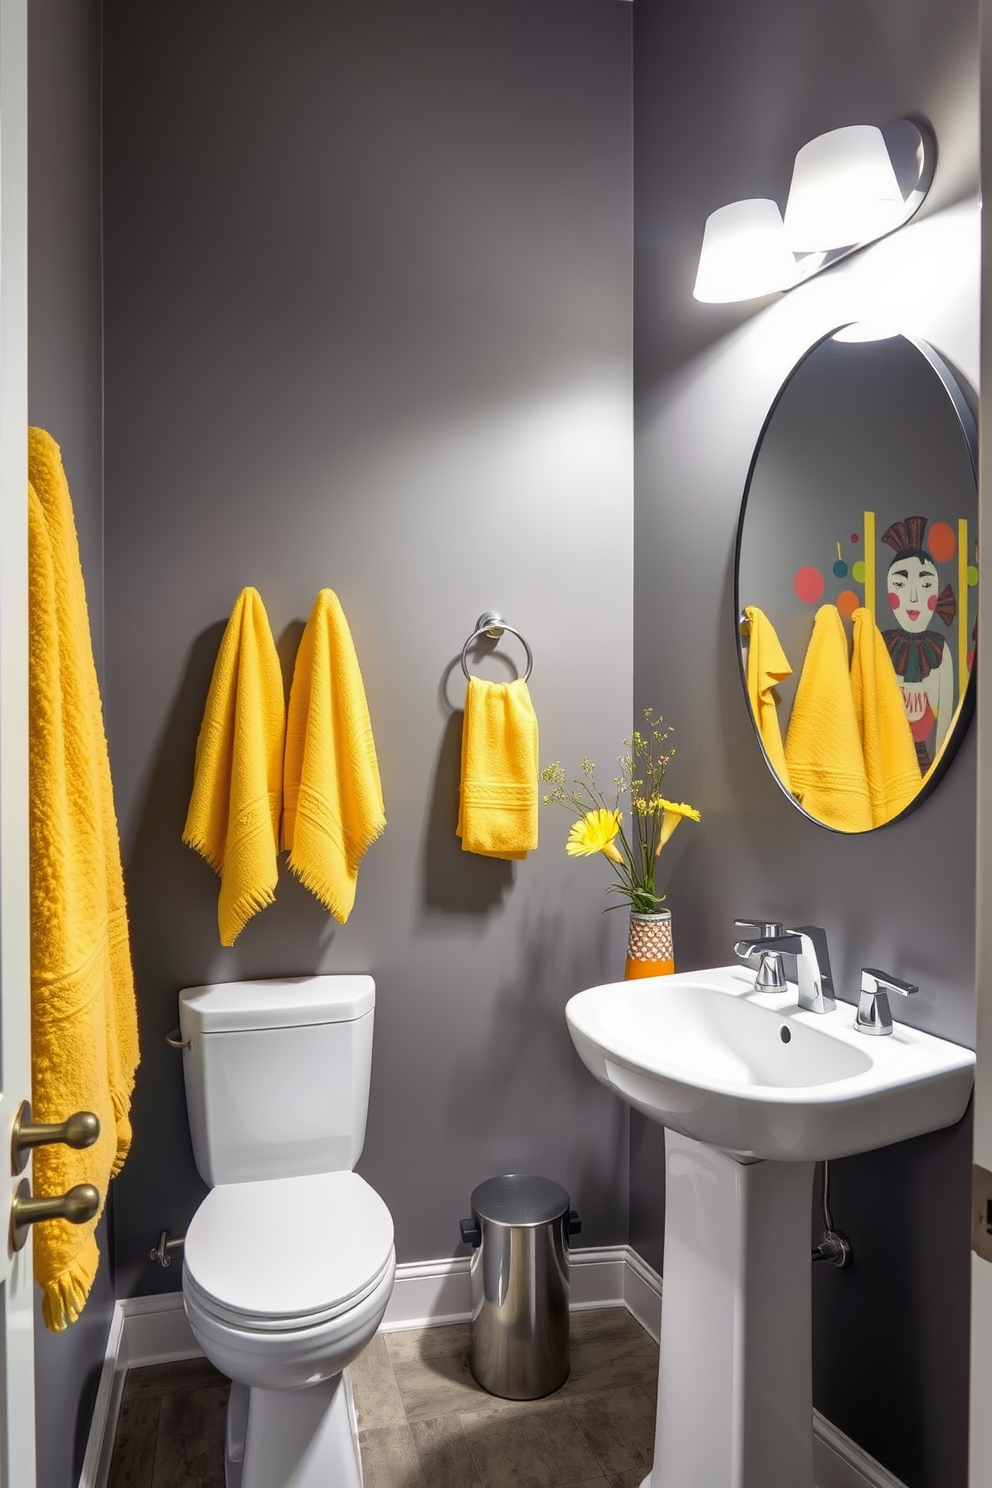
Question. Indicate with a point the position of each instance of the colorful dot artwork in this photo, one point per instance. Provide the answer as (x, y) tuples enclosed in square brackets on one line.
[(972, 576), (858, 571), (848, 602), (809, 584), (942, 542), (855, 538), (840, 569)]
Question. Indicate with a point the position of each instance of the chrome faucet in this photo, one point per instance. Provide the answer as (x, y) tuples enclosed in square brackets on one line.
[(874, 1014), (808, 943)]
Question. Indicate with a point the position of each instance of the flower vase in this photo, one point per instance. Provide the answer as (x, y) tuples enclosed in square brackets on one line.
[(650, 948)]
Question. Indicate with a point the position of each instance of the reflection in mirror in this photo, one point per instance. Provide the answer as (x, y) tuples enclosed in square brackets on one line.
[(857, 578)]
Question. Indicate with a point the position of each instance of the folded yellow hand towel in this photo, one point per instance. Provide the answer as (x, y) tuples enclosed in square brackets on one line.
[(823, 745), (891, 765), (497, 812), (84, 1029), (332, 796), (233, 818), (766, 668)]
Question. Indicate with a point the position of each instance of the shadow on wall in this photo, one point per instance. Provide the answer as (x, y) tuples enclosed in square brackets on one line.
[(525, 1064), (173, 891), (456, 882)]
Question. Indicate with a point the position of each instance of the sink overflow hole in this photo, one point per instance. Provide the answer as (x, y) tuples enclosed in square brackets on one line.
[(785, 1034)]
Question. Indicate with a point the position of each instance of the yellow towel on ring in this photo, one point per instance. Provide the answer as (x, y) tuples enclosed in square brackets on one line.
[(84, 1030), (891, 765), (233, 817), (823, 745), (332, 796), (497, 804), (767, 666)]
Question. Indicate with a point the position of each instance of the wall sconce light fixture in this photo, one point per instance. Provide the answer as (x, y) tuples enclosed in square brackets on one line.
[(849, 188)]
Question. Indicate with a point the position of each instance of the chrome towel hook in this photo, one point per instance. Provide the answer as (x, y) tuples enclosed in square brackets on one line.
[(491, 623)]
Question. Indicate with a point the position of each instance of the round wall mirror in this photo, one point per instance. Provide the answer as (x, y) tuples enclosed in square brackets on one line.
[(857, 578)]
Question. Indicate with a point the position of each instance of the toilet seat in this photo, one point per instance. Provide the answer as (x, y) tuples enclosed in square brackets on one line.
[(284, 1254)]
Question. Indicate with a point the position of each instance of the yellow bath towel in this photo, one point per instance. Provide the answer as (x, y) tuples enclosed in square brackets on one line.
[(497, 811), (891, 765), (823, 745), (233, 817), (766, 668), (332, 796), (84, 1030)]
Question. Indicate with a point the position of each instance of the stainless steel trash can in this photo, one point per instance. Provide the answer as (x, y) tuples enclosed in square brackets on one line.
[(519, 1230)]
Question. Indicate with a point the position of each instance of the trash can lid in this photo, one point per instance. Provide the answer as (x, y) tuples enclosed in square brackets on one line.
[(519, 1199)]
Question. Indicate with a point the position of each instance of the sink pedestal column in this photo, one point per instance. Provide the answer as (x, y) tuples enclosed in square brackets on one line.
[(735, 1407)]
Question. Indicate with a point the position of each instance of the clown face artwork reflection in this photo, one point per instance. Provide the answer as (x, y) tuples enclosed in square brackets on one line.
[(912, 588), (920, 654)]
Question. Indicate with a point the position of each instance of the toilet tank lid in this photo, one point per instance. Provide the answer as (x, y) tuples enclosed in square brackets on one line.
[(275, 1002)]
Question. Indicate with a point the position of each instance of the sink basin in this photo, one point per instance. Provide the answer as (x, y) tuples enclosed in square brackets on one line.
[(736, 1076), (751, 1073)]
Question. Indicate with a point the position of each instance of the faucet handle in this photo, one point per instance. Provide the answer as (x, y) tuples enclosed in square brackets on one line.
[(874, 1014), (771, 972), (764, 927)]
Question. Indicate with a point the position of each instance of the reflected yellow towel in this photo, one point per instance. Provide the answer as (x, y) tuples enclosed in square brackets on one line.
[(84, 1030), (233, 818), (766, 668), (332, 795), (891, 765), (497, 811), (823, 744)]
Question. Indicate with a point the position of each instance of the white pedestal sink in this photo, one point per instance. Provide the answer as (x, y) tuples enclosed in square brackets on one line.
[(752, 1092)]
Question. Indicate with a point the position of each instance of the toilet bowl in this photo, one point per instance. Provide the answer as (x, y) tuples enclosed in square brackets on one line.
[(289, 1261), (285, 1282)]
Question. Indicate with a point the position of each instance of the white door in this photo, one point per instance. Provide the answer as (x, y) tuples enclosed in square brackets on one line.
[(17, 1445)]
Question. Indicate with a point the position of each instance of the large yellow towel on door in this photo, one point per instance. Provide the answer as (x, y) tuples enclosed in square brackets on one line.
[(891, 765), (767, 666), (332, 796), (84, 1031), (823, 745), (497, 803), (233, 817)]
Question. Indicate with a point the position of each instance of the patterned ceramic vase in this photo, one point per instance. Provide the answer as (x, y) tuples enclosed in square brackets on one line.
[(650, 948)]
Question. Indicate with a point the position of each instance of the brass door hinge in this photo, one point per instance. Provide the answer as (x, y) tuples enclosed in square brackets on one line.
[(981, 1212)]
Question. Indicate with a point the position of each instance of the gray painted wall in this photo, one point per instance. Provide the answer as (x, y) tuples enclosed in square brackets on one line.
[(724, 96), (66, 397), (368, 297)]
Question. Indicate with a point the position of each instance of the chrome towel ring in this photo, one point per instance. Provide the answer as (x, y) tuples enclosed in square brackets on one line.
[(492, 624)]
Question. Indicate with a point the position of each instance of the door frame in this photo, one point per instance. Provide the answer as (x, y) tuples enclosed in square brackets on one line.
[(17, 1423)]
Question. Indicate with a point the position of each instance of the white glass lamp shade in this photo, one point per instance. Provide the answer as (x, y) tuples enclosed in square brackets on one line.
[(844, 191), (744, 253)]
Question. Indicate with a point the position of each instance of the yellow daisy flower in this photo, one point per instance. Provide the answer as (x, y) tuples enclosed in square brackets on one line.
[(674, 811), (594, 832)]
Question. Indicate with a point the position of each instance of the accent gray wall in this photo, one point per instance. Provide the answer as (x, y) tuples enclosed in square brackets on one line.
[(368, 326), (66, 397), (724, 96)]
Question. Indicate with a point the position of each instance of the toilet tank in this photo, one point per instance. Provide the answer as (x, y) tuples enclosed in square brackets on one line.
[(277, 1075)]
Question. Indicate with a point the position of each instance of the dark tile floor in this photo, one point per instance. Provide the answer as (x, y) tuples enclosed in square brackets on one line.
[(424, 1422)]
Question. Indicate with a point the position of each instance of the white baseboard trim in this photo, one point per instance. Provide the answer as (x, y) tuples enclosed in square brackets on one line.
[(429, 1294), (839, 1462), (143, 1330), (426, 1294), (100, 1442)]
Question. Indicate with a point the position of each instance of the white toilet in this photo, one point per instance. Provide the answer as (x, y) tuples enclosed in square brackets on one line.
[(289, 1260)]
